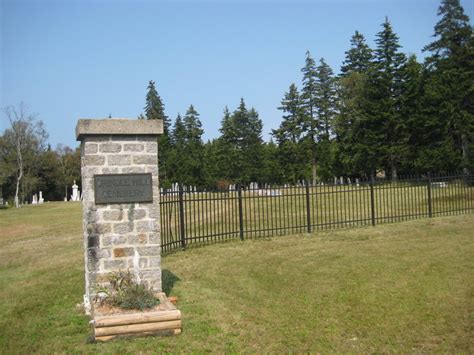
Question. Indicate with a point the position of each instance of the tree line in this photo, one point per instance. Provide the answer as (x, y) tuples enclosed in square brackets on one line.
[(385, 111)]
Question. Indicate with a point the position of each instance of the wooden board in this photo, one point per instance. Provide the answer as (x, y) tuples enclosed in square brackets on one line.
[(165, 321)]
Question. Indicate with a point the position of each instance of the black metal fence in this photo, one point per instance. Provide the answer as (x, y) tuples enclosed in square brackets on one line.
[(190, 217)]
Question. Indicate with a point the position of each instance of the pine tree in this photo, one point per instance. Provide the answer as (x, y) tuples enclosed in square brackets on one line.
[(155, 110), (358, 57), (351, 108), (309, 97), (289, 136), (325, 99), (177, 153), (241, 145), (385, 94), (193, 148), (449, 90), (291, 127), (410, 111)]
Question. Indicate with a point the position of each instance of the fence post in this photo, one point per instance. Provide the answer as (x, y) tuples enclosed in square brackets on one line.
[(182, 230), (372, 200), (430, 202), (308, 209), (241, 216)]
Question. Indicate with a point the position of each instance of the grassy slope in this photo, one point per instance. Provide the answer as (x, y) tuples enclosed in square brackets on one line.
[(402, 287)]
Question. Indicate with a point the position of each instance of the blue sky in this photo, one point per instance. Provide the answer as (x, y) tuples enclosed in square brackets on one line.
[(85, 59)]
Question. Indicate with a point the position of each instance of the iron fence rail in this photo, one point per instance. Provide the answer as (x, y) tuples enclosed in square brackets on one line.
[(190, 217)]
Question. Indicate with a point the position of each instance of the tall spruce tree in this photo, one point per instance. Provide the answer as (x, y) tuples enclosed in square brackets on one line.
[(385, 94), (292, 153), (155, 110), (325, 99), (241, 145), (358, 57), (449, 89), (193, 149), (351, 107), (177, 153), (411, 91), (309, 104), (326, 110)]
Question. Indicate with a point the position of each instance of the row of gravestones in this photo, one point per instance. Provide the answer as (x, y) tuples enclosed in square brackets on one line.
[(37, 199), (265, 189)]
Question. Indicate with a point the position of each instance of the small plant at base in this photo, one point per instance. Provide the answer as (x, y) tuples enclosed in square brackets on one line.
[(128, 294)]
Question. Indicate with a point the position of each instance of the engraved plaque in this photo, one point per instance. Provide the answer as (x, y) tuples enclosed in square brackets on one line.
[(123, 188)]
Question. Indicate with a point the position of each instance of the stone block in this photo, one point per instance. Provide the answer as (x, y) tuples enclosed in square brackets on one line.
[(136, 239), (93, 160), (139, 214), (145, 226), (110, 147), (152, 147), (154, 238), (152, 169), (122, 252), (113, 215), (115, 265), (113, 240), (90, 148), (133, 170), (111, 170), (133, 147), (154, 262), (145, 160), (123, 228), (119, 160), (149, 250)]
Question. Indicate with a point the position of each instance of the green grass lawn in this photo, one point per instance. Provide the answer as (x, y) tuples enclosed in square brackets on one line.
[(404, 287)]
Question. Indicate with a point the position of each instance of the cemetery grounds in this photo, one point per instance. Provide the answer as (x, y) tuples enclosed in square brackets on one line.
[(402, 287)]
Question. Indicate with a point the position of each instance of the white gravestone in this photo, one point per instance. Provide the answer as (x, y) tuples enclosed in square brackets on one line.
[(75, 195)]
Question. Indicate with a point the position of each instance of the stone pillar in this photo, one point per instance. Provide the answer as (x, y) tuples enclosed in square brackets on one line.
[(118, 158)]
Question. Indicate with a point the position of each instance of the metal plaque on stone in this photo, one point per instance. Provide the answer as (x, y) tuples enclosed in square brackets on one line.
[(123, 188)]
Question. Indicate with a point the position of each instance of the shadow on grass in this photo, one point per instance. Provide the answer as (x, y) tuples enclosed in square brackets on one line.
[(168, 279)]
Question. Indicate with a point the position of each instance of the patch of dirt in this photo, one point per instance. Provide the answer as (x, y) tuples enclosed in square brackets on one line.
[(108, 310)]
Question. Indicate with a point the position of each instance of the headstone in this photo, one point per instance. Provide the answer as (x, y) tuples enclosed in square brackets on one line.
[(40, 200), (75, 195), (335, 180), (120, 199), (34, 200), (357, 182), (341, 179)]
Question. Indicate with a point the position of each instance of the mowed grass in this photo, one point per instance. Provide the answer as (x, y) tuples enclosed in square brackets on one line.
[(404, 287)]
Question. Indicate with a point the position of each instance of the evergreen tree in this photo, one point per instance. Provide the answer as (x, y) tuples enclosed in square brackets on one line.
[(177, 153), (358, 57), (241, 145), (292, 125), (352, 111), (385, 94), (410, 111), (289, 136), (309, 104), (193, 148), (326, 110), (449, 89), (155, 110), (325, 98)]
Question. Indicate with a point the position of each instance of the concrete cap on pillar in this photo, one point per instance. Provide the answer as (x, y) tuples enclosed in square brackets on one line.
[(118, 126)]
